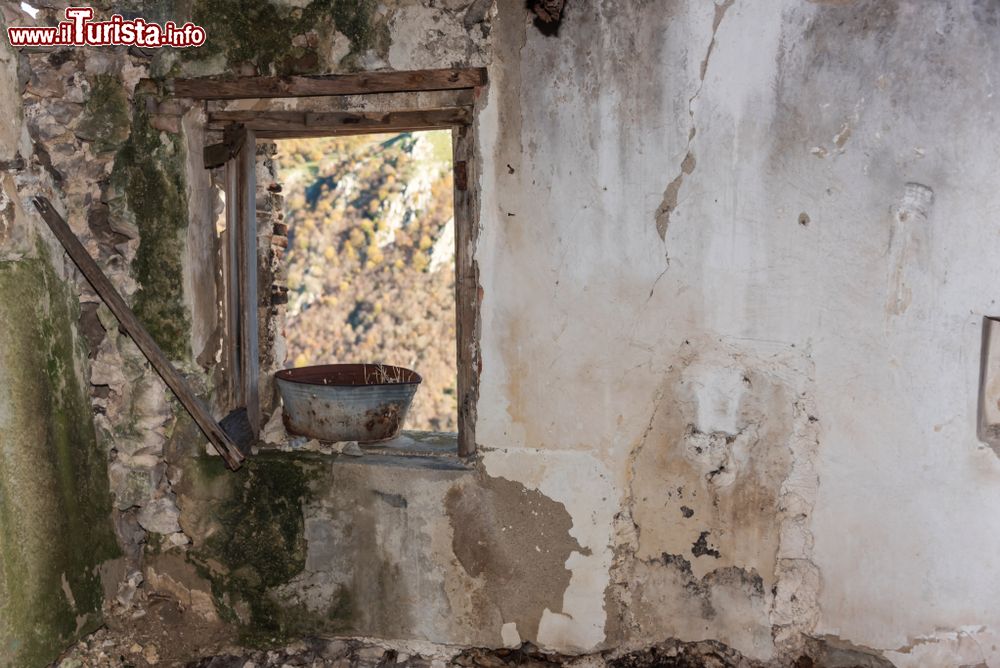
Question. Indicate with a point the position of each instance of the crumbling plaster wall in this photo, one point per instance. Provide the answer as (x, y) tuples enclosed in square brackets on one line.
[(734, 258), (728, 368), (706, 250)]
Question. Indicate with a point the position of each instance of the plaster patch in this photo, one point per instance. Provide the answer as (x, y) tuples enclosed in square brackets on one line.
[(971, 645), (719, 446), (584, 486), (731, 444), (509, 635), (909, 242), (496, 523)]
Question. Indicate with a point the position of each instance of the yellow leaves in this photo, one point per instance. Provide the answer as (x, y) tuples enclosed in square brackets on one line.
[(425, 242), (329, 252), (420, 261), (356, 238)]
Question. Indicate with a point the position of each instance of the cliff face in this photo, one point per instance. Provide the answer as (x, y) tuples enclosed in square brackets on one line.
[(370, 260)]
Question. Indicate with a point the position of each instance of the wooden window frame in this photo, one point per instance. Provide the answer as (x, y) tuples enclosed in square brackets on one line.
[(273, 124)]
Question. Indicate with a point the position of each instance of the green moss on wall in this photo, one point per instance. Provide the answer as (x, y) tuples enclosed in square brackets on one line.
[(356, 19), (341, 611), (260, 544), (55, 507), (105, 120), (149, 169), (261, 32)]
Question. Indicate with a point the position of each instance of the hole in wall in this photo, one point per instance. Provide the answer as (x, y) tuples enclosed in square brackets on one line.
[(548, 15)]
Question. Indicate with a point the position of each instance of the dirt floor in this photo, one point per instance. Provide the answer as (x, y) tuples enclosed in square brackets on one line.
[(160, 633), (152, 640)]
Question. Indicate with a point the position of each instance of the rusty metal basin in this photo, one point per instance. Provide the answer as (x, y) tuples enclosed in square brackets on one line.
[(346, 402)]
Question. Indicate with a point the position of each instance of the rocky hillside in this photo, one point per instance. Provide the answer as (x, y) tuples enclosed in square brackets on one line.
[(371, 269)]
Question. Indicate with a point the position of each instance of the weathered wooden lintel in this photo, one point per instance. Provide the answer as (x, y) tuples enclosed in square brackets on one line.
[(361, 83), (280, 124)]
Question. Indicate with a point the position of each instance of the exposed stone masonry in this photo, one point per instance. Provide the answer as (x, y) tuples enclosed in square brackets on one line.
[(115, 155), (79, 108)]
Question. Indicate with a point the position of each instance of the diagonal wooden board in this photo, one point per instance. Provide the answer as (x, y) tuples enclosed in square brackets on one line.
[(218, 437)]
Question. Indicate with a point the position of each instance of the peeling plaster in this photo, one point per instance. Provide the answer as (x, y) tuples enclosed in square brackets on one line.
[(516, 542), (972, 645), (729, 451), (676, 440), (909, 238), (584, 486)]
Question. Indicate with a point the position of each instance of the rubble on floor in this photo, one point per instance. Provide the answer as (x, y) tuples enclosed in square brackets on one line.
[(132, 647)]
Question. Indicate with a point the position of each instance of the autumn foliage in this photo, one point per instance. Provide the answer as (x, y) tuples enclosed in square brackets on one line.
[(370, 260)]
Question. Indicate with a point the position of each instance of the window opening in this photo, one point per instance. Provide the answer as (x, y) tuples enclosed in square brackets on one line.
[(370, 261)]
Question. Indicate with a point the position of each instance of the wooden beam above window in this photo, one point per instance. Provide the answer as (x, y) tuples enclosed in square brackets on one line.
[(278, 124), (361, 83)]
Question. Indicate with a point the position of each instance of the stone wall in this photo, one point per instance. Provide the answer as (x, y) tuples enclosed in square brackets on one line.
[(123, 166), (57, 543)]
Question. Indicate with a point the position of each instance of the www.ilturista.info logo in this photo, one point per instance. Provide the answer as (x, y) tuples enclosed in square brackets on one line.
[(79, 30)]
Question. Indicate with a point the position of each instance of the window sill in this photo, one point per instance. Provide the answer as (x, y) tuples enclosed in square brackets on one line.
[(418, 444), (413, 449)]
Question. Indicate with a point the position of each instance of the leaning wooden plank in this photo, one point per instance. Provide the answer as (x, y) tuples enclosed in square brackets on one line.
[(361, 83), (341, 122), (212, 429)]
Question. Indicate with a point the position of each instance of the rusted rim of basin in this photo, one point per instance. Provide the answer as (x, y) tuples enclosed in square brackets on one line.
[(350, 375)]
